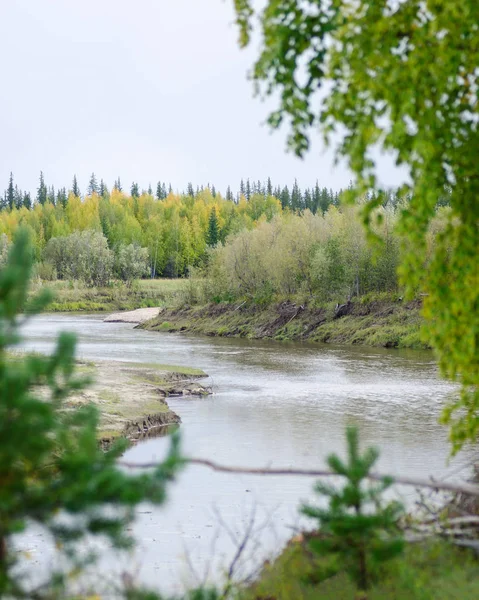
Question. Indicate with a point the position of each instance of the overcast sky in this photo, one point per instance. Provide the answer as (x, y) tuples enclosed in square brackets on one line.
[(147, 90)]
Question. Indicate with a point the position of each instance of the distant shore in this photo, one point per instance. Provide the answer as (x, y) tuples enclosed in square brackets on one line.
[(384, 323)]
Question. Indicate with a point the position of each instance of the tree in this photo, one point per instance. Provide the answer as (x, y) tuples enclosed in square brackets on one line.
[(75, 189), (404, 81), (296, 198), (10, 193), (62, 197), (83, 255), (131, 262), (212, 235), (27, 200), (51, 195), (190, 191), (53, 472), (92, 185), (357, 531), (42, 190), (103, 189), (117, 185), (248, 190), (229, 194), (135, 190), (269, 187)]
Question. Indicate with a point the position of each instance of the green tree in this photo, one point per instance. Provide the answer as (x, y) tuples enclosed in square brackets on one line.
[(92, 185), (52, 470), (213, 234), (10, 192), (42, 190), (131, 262), (103, 189), (75, 189), (404, 81), (27, 200), (135, 190), (357, 531)]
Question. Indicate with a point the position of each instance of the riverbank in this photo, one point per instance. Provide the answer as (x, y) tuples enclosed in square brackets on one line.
[(385, 323), (425, 571), (74, 296), (131, 398)]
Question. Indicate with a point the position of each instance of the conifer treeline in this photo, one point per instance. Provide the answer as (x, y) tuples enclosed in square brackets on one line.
[(293, 197)]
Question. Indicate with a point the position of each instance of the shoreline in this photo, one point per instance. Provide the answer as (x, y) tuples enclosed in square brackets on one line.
[(381, 323), (132, 397)]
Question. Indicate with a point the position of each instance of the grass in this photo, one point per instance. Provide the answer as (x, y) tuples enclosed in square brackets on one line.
[(73, 296), (383, 322), (428, 571)]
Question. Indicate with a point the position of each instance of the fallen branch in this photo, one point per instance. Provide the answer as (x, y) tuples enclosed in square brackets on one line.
[(431, 483)]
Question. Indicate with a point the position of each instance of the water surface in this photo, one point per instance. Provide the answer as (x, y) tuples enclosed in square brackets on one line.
[(274, 404)]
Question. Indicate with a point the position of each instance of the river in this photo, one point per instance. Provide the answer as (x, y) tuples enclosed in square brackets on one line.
[(274, 404)]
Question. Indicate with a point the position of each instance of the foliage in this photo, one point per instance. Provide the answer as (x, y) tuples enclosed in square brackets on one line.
[(52, 471), (425, 571), (319, 257), (212, 236), (4, 249), (401, 77), (131, 262), (83, 255), (357, 530)]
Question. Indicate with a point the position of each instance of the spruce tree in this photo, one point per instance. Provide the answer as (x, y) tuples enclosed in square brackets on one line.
[(308, 200), (27, 200), (75, 188), (10, 193), (269, 187), (42, 190), (296, 197), (285, 198), (213, 191), (135, 190), (212, 235), (229, 194), (190, 191), (103, 189), (51, 195), (242, 188), (92, 185), (159, 191), (358, 530), (117, 185), (18, 197), (53, 473), (248, 190), (150, 190)]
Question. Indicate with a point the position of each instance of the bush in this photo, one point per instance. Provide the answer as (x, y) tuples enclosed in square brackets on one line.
[(131, 262), (83, 255)]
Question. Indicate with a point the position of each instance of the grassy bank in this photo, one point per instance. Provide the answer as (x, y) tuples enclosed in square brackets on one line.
[(427, 571), (131, 397), (73, 296), (385, 321)]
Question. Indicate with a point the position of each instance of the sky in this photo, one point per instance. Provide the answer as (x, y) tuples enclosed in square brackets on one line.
[(147, 90)]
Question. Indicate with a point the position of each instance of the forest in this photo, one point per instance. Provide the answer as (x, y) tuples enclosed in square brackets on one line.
[(263, 242)]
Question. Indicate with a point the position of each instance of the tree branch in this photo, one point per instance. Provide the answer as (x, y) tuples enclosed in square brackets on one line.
[(430, 483)]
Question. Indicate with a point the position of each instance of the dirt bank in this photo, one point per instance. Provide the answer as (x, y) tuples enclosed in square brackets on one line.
[(387, 323), (131, 397)]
